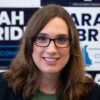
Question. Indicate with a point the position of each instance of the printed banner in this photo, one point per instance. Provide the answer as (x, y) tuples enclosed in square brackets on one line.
[(12, 26), (87, 21)]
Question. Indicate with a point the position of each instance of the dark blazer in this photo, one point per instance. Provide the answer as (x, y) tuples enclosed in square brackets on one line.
[(6, 93)]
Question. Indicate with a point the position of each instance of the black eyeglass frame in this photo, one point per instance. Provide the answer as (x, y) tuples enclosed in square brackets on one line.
[(54, 40)]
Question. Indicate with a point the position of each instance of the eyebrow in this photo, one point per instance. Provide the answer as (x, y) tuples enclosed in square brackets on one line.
[(43, 34), (62, 35)]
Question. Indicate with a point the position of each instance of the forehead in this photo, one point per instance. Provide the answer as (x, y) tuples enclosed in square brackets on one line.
[(56, 26)]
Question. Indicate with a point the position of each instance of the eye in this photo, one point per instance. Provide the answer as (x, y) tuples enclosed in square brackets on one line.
[(41, 38), (62, 39)]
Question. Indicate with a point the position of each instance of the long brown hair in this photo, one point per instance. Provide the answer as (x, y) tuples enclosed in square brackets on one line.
[(23, 74)]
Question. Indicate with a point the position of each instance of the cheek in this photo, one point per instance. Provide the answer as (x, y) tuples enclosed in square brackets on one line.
[(36, 50), (36, 54), (66, 54)]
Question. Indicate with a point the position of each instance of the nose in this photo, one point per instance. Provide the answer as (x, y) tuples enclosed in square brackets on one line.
[(51, 49)]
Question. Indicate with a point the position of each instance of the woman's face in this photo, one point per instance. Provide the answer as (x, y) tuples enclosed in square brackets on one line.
[(52, 59)]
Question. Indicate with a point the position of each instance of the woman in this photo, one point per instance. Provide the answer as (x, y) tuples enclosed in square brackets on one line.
[(49, 64)]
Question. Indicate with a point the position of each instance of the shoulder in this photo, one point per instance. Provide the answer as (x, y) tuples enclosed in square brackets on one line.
[(6, 93), (94, 94)]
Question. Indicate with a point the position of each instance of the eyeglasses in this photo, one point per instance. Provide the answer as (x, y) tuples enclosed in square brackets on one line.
[(44, 41)]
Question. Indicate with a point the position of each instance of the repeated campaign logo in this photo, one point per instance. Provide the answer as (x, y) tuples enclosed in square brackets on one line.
[(91, 57), (87, 58)]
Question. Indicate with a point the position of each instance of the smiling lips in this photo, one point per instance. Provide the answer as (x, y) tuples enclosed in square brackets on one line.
[(51, 60)]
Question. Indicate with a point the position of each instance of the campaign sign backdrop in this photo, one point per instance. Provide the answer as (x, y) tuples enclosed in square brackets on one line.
[(12, 26), (87, 20), (85, 13)]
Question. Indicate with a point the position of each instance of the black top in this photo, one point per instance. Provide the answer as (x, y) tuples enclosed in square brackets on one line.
[(6, 93)]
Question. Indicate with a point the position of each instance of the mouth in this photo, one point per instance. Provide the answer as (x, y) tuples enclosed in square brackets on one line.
[(50, 60)]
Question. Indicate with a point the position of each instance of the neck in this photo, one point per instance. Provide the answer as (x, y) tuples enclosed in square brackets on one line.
[(48, 83)]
